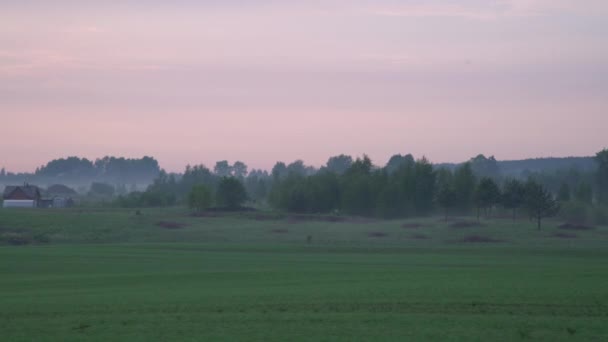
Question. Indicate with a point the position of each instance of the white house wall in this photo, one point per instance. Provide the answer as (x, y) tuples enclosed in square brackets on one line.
[(19, 204)]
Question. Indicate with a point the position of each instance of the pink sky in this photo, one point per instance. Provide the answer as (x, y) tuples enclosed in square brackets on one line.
[(261, 81)]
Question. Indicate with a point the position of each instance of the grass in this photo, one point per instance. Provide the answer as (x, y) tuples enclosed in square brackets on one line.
[(113, 275)]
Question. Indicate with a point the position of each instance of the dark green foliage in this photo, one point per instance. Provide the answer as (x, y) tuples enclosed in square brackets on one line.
[(339, 164), (487, 195), (200, 197), (398, 161), (223, 169), (230, 193), (539, 202), (464, 185), (513, 195), (279, 171), (447, 198)]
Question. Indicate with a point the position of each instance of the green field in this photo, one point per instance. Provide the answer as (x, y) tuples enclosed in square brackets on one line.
[(111, 275)]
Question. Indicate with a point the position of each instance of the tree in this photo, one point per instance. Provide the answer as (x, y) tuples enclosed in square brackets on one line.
[(339, 164), (239, 169), (602, 176), (279, 171), (464, 186), (485, 167), (513, 195), (487, 194), (231, 193), (447, 198), (398, 161), (223, 169), (539, 202), (200, 197)]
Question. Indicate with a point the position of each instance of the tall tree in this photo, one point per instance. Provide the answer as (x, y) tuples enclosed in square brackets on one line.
[(487, 194), (539, 202), (231, 193), (339, 164), (239, 169), (464, 186), (223, 168), (513, 195), (447, 199)]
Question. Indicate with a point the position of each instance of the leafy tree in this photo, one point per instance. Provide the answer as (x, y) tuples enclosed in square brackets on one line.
[(279, 171), (539, 202), (200, 198), (424, 186), (513, 195), (485, 167), (298, 168), (487, 194), (223, 169), (339, 164), (447, 198), (231, 193), (239, 169), (602, 176), (398, 161), (563, 195), (464, 186)]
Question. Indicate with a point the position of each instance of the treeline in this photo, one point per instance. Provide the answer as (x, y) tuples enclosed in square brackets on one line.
[(404, 187), (116, 170)]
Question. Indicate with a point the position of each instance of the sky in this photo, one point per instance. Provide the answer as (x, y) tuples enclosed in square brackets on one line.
[(259, 81)]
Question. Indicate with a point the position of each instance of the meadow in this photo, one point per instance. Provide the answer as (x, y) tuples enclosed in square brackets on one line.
[(165, 274)]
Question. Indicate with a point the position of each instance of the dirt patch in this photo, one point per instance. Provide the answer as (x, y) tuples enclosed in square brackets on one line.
[(316, 218), (420, 237), (565, 235), (465, 224), (575, 226), (280, 231), (411, 225), (377, 234), (171, 225), (479, 239)]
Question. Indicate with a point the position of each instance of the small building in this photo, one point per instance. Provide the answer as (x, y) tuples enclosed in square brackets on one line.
[(25, 196)]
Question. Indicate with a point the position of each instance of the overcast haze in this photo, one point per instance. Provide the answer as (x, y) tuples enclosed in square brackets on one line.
[(261, 81)]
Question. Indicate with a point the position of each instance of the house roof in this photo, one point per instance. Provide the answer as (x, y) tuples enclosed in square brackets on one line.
[(30, 191)]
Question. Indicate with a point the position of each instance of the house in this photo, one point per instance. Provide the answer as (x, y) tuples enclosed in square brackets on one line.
[(25, 196)]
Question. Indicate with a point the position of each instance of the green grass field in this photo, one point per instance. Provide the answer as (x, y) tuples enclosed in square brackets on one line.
[(111, 275)]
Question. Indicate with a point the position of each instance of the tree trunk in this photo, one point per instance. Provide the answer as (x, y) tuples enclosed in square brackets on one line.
[(539, 218)]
